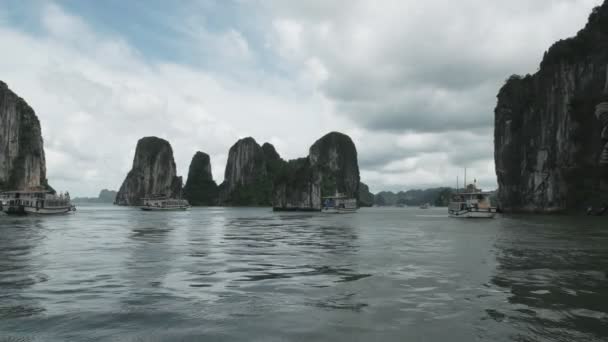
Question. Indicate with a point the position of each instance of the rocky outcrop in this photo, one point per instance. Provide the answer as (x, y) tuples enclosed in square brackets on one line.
[(550, 137), (153, 173), (107, 196), (22, 161), (249, 173), (331, 166), (366, 198), (200, 188)]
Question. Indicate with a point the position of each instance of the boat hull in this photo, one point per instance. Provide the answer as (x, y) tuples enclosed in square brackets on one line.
[(472, 214), (339, 210), (47, 211), (24, 210), (164, 209)]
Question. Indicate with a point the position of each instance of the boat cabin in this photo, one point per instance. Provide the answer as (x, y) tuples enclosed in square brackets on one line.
[(339, 202), (163, 202), (35, 199)]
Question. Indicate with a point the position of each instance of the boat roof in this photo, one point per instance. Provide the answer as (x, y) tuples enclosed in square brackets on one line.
[(474, 193), (26, 192), (337, 196)]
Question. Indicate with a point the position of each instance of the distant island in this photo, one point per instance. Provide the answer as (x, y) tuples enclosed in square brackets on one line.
[(105, 196), (438, 197)]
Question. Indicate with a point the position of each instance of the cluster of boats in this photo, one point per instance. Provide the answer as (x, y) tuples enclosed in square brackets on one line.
[(468, 203), (44, 202)]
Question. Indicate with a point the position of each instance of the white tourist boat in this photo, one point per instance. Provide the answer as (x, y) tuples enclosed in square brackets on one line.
[(473, 204), (164, 203), (339, 204), (40, 202)]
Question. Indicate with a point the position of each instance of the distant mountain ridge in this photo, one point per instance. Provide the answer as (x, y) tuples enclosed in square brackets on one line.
[(436, 196), (105, 196)]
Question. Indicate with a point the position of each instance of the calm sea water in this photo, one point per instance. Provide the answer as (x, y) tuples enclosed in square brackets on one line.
[(213, 274)]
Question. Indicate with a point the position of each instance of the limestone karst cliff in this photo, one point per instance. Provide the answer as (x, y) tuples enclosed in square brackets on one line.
[(200, 188), (249, 173), (331, 166), (22, 161), (366, 198), (550, 137), (153, 173)]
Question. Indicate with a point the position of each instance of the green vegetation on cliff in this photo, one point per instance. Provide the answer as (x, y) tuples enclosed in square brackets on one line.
[(200, 188), (249, 175)]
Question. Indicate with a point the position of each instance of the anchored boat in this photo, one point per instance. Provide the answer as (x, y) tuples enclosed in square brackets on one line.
[(41, 202), (471, 203), (339, 204), (164, 203)]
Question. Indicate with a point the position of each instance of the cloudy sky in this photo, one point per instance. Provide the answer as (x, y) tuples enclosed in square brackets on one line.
[(413, 82)]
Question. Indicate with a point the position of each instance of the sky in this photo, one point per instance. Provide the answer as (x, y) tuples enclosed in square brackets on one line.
[(413, 83)]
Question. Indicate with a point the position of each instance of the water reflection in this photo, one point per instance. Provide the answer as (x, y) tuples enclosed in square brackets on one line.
[(151, 258), (555, 276), (307, 251), (20, 266)]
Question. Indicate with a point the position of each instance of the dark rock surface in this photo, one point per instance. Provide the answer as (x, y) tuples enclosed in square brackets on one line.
[(249, 173), (22, 160), (153, 173), (366, 198), (550, 137), (331, 166), (200, 188)]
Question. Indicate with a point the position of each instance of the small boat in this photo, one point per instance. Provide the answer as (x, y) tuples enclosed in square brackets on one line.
[(36, 202), (339, 204), (475, 204), (424, 206), (164, 203)]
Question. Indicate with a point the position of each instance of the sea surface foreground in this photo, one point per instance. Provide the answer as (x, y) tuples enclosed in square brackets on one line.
[(223, 274)]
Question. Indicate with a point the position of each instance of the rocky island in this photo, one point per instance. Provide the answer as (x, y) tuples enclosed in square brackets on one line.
[(249, 174), (331, 166), (200, 188), (551, 135), (153, 173), (22, 161)]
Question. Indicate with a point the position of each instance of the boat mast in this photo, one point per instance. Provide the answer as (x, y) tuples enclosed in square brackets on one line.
[(465, 178)]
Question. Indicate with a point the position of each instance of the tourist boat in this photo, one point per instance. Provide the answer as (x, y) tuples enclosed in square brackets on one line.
[(41, 202), (471, 204), (339, 204), (163, 203)]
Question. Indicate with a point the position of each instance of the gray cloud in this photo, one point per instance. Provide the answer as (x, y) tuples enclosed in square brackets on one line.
[(424, 66), (414, 83)]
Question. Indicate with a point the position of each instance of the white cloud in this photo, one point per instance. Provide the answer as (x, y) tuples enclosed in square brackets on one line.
[(413, 83), (96, 102)]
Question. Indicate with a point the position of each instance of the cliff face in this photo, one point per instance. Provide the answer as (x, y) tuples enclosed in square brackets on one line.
[(330, 167), (22, 162), (550, 137), (249, 173), (153, 173), (200, 188), (366, 198)]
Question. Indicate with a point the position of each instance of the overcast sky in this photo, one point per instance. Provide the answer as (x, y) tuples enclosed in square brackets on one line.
[(413, 83)]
